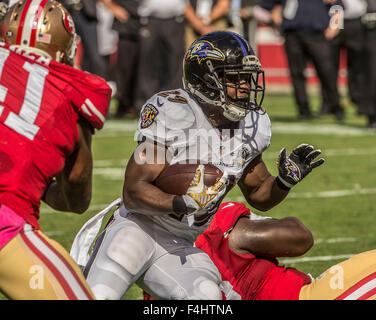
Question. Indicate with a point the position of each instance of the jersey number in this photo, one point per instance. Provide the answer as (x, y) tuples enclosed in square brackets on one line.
[(176, 97), (23, 122)]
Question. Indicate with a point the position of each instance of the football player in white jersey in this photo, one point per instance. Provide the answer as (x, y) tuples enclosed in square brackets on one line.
[(218, 119)]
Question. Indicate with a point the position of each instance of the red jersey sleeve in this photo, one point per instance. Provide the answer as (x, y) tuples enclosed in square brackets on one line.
[(228, 214), (89, 93)]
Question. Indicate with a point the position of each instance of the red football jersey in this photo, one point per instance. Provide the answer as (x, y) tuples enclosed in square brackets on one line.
[(251, 277), (40, 103)]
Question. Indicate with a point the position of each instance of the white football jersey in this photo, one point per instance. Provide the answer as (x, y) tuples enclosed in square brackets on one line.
[(174, 119)]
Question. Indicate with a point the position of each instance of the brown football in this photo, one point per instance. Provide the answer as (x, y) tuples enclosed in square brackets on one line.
[(175, 179)]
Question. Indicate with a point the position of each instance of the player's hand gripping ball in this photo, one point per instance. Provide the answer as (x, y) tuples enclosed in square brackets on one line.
[(203, 195), (199, 188), (201, 198)]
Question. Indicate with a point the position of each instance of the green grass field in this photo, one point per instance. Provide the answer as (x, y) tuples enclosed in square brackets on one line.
[(336, 201)]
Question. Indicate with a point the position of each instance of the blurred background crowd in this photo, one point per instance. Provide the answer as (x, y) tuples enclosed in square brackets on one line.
[(138, 46)]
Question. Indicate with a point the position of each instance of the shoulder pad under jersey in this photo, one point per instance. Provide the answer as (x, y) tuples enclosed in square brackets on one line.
[(166, 114), (89, 93)]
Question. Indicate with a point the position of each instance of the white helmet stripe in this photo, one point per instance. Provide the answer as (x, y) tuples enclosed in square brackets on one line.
[(29, 21)]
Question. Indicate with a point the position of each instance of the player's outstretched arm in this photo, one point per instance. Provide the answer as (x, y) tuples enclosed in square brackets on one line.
[(264, 191), (259, 186), (71, 191), (273, 238)]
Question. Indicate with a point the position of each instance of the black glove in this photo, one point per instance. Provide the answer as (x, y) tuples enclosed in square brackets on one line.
[(297, 165)]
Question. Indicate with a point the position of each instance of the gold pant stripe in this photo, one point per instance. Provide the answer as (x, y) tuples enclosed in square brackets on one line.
[(63, 265), (354, 278), (32, 266)]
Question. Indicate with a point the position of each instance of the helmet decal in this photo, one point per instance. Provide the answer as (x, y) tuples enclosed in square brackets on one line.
[(44, 37), (39, 7), (202, 50), (69, 24), (29, 22)]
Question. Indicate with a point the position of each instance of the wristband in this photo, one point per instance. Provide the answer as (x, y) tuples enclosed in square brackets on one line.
[(179, 206), (281, 185)]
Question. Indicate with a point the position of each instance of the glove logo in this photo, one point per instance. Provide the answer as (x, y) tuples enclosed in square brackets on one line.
[(297, 165), (293, 170)]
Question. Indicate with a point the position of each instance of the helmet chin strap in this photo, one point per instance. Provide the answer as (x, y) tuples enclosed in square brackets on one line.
[(231, 111), (234, 113)]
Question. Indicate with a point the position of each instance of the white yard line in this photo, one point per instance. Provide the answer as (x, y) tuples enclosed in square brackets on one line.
[(335, 240), (110, 173), (94, 207), (322, 194), (115, 129), (54, 233), (267, 155), (332, 153), (121, 126), (110, 163), (323, 258), (332, 194), (320, 129), (317, 258), (349, 152)]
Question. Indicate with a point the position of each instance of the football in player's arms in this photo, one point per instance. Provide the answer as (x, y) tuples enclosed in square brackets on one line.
[(49, 111)]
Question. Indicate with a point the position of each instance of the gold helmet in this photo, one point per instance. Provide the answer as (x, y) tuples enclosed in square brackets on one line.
[(41, 26)]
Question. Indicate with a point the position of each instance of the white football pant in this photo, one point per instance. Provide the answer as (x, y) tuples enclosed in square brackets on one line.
[(133, 249)]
